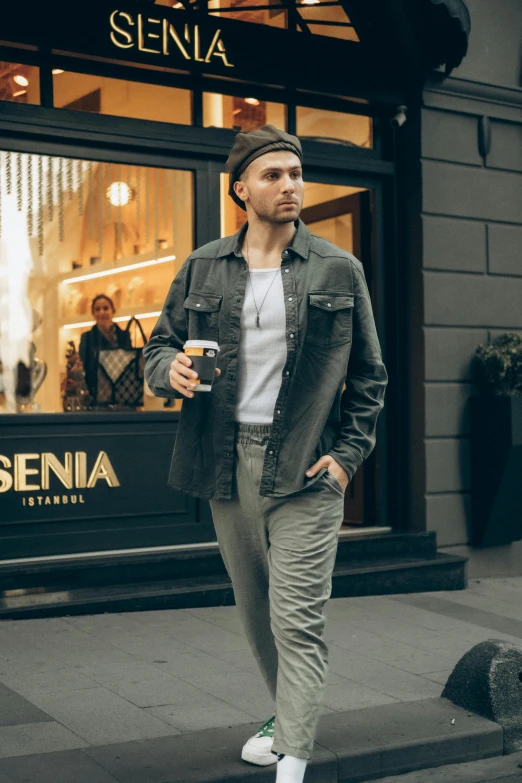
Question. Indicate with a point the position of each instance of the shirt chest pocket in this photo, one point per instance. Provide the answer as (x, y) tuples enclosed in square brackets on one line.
[(330, 316), (202, 315)]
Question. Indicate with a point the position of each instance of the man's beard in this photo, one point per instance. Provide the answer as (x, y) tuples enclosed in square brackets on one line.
[(273, 217)]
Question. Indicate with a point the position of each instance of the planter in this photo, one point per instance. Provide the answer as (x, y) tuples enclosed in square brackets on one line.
[(496, 470)]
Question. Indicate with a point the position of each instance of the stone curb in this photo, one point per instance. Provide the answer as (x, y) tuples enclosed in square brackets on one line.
[(351, 747)]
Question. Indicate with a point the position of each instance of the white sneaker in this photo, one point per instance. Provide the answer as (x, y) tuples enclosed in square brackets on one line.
[(258, 749)]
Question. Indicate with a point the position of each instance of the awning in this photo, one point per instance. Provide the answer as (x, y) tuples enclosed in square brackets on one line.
[(447, 28), (417, 35)]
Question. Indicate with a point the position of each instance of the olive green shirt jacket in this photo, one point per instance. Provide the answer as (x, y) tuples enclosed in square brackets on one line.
[(332, 385)]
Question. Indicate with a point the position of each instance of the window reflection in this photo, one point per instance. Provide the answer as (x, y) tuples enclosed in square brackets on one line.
[(19, 83)]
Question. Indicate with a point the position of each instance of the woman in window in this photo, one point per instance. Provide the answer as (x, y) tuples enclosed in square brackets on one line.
[(105, 334)]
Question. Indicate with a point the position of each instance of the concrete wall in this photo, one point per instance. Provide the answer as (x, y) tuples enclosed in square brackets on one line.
[(471, 248)]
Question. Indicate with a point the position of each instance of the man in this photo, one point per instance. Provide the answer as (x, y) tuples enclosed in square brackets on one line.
[(277, 440)]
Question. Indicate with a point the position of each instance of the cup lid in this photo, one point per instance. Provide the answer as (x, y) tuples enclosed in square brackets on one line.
[(201, 344)]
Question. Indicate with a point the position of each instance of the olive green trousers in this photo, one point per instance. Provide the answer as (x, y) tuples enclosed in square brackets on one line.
[(280, 555)]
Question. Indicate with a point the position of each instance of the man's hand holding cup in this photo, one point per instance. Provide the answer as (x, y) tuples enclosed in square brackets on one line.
[(194, 369)]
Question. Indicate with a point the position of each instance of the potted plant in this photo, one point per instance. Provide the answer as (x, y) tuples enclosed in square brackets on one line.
[(496, 442)]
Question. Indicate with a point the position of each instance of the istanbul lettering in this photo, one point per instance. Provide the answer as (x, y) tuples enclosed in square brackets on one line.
[(72, 473), (159, 36)]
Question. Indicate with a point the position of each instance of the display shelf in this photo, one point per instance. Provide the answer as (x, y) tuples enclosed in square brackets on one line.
[(142, 312), (107, 268)]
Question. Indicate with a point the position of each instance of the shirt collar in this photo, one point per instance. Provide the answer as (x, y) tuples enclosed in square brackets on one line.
[(300, 244)]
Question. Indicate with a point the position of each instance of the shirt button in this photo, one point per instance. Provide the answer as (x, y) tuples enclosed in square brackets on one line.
[(278, 412), (238, 299), (270, 452), (230, 376), (287, 372), (198, 305), (291, 335), (289, 298), (287, 271), (329, 304)]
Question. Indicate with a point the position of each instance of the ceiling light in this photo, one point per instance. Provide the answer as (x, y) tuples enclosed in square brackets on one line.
[(310, 2), (252, 101), (119, 194), (56, 71), (178, 5), (117, 270), (79, 325), (119, 319), (20, 92), (21, 80)]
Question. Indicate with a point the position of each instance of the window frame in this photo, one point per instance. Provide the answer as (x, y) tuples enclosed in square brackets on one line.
[(196, 84)]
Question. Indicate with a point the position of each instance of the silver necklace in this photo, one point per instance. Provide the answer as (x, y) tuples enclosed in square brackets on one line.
[(258, 309)]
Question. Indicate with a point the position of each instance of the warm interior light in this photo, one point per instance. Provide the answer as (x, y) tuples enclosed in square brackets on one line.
[(21, 80), (18, 93), (118, 269), (57, 71), (118, 319), (310, 2), (178, 5), (237, 111), (252, 101), (80, 325), (119, 194)]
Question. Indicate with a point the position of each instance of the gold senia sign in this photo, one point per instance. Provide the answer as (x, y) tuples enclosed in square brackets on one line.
[(30, 472), (160, 36)]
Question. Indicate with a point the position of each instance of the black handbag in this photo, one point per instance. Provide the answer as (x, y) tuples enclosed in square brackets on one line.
[(121, 373)]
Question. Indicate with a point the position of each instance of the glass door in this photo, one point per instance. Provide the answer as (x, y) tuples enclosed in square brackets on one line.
[(342, 215)]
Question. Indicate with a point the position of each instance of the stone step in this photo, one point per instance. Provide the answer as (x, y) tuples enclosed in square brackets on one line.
[(75, 571), (373, 577)]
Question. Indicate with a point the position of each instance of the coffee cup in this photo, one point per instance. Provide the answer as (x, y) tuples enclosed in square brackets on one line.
[(203, 354)]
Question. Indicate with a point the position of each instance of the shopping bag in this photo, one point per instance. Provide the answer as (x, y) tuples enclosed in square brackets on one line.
[(121, 373)]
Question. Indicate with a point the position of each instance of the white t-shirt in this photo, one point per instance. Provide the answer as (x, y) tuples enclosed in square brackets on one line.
[(262, 351)]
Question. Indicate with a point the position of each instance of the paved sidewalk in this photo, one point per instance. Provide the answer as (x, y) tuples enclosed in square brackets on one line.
[(78, 682)]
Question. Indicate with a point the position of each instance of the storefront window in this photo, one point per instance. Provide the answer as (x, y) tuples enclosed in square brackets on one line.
[(354, 128), (19, 83), (102, 95), (93, 229), (241, 114)]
